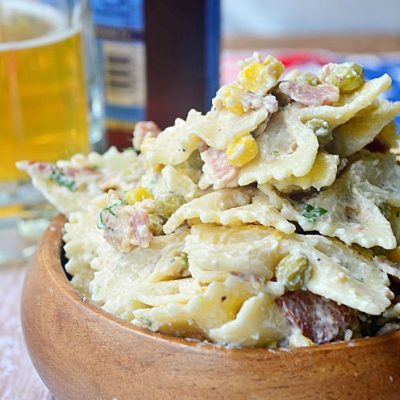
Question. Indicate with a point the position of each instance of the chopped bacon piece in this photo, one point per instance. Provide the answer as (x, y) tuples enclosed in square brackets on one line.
[(143, 130), (308, 95), (319, 319), (218, 169), (127, 226)]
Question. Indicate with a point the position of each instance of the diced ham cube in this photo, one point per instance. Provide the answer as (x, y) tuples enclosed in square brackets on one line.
[(143, 130), (127, 226), (218, 170), (308, 95), (140, 225), (319, 319)]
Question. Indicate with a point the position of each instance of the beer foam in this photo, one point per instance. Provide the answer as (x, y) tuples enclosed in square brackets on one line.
[(59, 27)]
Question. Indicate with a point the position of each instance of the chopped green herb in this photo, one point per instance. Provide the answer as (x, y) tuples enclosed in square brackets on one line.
[(312, 213), (61, 179), (146, 321), (101, 224), (185, 260)]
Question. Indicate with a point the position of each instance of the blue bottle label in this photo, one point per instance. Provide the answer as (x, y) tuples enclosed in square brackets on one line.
[(120, 34)]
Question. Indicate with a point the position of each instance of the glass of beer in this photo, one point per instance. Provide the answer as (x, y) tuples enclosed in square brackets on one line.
[(46, 103)]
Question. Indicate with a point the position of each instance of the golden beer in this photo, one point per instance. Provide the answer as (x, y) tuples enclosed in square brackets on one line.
[(43, 102)]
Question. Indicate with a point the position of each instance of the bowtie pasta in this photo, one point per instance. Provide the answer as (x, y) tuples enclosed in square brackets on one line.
[(272, 220)]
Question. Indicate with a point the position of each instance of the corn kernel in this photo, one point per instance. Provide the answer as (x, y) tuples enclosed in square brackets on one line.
[(230, 97), (242, 150), (394, 255), (137, 195), (259, 77), (158, 167)]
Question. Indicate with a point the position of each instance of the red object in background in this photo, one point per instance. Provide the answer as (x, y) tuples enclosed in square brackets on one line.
[(119, 136), (299, 58)]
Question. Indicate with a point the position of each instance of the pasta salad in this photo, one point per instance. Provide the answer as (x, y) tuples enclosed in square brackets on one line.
[(271, 221)]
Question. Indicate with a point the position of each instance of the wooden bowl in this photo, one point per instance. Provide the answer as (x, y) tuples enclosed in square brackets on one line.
[(84, 353)]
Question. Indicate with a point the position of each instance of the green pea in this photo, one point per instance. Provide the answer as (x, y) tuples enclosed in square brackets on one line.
[(195, 161), (293, 272), (156, 224), (348, 77), (309, 79), (167, 205), (321, 130)]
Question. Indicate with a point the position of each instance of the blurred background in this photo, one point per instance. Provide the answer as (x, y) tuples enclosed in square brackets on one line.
[(304, 34), (340, 25)]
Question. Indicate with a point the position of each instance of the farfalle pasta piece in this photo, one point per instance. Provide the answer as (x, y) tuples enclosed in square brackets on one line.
[(117, 274), (342, 274), (363, 127), (355, 205), (322, 174), (71, 184), (379, 170), (215, 252), (342, 211), (286, 148), (173, 145), (229, 207), (258, 323), (208, 207), (82, 239), (165, 292), (349, 105), (217, 129), (221, 303)]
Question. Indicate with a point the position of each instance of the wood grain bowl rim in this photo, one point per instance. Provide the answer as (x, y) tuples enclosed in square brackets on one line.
[(52, 242)]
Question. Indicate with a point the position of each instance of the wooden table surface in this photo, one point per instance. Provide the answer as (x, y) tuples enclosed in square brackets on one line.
[(18, 378)]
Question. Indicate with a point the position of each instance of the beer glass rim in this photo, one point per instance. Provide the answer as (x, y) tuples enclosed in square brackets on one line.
[(58, 20)]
